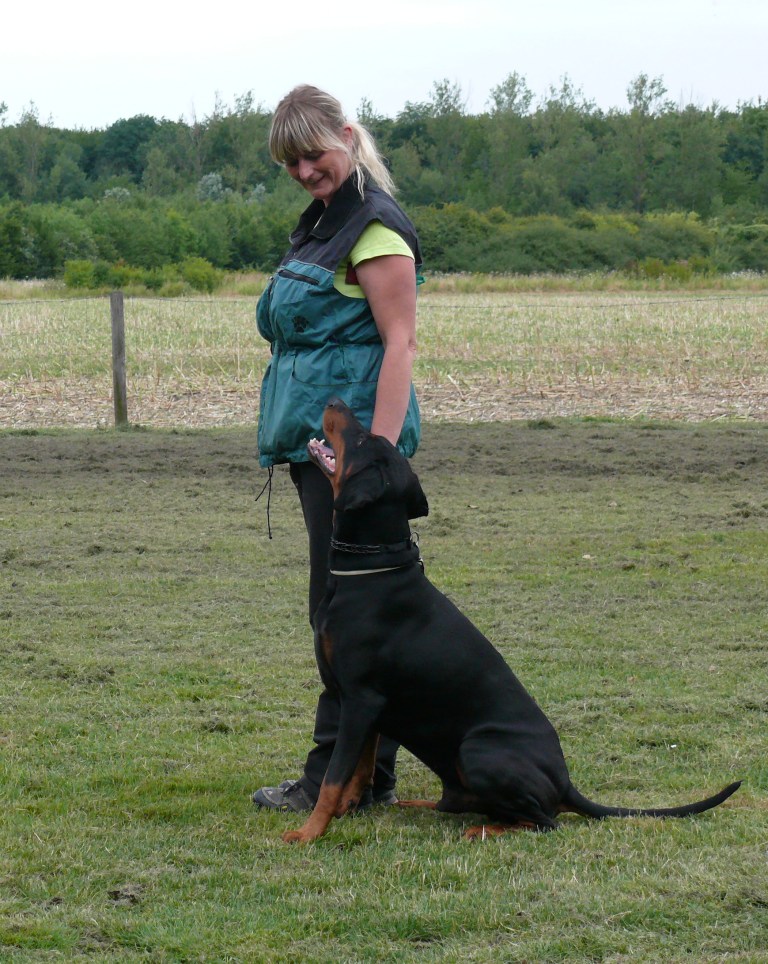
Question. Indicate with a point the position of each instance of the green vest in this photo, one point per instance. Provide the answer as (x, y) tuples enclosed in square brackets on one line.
[(324, 343)]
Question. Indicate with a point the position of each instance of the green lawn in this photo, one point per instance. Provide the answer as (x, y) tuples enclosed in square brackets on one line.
[(157, 667)]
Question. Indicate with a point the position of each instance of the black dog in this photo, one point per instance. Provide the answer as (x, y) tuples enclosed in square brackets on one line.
[(408, 664)]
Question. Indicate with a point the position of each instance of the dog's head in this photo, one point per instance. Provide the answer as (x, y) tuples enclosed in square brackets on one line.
[(363, 468)]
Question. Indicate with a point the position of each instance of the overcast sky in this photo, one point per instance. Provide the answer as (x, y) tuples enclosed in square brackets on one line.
[(85, 64)]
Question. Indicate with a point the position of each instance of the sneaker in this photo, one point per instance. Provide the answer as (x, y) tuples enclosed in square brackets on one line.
[(291, 795), (381, 798)]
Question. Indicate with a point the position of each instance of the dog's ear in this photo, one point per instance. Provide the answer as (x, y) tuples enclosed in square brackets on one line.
[(416, 500), (391, 478), (361, 489)]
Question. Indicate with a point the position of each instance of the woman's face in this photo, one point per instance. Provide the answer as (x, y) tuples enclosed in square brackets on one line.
[(322, 173)]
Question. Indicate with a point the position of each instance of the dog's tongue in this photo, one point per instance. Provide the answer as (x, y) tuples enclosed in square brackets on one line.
[(323, 453)]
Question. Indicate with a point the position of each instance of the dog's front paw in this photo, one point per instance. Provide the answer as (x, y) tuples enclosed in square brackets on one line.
[(297, 836)]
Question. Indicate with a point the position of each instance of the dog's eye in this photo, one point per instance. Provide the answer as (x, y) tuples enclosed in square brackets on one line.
[(360, 440)]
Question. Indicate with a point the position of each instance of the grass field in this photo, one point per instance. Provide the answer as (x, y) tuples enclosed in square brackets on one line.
[(156, 668)]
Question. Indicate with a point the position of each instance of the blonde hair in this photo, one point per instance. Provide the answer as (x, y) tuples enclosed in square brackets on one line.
[(308, 121)]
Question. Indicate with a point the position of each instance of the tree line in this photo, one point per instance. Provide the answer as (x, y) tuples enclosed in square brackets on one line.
[(548, 183)]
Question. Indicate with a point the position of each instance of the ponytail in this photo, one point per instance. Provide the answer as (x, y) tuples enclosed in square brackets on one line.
[(368, 162)]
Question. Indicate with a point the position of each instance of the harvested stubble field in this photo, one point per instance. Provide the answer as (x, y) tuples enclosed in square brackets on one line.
[(493, 356)]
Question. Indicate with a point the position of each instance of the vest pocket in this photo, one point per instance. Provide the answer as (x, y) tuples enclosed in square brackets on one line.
[(335, 365)]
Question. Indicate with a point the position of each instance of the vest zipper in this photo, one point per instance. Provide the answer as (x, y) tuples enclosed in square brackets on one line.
[(287, 273)]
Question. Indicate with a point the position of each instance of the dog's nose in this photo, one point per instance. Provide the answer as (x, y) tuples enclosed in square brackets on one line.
[(334, 402)]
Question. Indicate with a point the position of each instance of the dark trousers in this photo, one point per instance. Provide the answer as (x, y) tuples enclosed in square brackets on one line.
[(316, 497)]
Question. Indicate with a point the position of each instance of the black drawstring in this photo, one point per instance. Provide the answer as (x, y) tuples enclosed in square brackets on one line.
[(267, 486)]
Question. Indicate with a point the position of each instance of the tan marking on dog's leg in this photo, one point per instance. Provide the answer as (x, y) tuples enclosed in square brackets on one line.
[(321, 816)]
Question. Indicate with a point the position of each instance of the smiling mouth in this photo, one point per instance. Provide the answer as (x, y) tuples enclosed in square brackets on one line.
[(323, 455)]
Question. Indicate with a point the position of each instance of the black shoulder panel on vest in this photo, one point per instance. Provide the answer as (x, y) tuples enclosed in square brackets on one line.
[(324, 236)]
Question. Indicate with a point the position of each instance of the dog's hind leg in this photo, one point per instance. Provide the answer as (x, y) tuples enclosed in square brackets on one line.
[(485, 830), (513, 791), (453, 800)]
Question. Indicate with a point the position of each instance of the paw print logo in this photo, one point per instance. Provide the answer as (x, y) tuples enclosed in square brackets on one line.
[(300, 324)]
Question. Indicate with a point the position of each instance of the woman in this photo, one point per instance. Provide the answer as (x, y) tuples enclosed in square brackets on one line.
[(340, 316)]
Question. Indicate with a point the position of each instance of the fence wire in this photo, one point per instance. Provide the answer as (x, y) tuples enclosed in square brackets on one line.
[(198, 361)]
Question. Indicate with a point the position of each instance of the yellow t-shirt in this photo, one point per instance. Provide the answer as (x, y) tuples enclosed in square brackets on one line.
[(375, 241)]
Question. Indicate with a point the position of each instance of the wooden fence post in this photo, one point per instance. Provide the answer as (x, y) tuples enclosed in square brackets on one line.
[(119, 390)]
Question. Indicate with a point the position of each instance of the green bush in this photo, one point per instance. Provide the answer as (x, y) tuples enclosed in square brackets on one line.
[(151, 243), (454, 237), (103, 275), (155, 278), (80, 274), (457, 238), (674, 237), (702, 265), (551, 243), (173, 289), (679, 271), (201, 274), (126, 276), (657, 269), (743, 247)]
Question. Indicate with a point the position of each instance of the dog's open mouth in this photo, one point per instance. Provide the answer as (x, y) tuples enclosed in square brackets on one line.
[(323, 455)]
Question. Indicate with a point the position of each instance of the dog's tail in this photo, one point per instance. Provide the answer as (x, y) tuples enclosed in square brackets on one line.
[(574, 802)]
